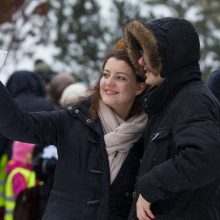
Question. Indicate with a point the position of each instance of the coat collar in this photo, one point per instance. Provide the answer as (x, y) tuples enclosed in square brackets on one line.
[(159, 97), (81, 111)]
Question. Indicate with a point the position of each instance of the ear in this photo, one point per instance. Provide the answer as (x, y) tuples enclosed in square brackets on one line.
[(140, 88)]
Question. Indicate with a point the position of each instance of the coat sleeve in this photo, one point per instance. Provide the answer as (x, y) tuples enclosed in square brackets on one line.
[(197, 138), (39, 128)]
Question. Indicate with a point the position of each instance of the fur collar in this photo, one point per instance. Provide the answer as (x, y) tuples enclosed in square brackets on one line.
[(138, 36)]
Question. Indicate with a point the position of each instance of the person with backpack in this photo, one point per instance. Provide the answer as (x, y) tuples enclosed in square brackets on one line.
[(19, 175)]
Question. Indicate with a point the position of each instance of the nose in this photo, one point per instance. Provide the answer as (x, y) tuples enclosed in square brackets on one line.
[(110, 81), (141, 61)]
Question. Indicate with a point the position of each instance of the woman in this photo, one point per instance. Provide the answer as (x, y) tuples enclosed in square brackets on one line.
[(97, 141), (179, 176)]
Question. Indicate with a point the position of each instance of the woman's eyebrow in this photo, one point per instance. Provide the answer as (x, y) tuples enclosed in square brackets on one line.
[(122, 73), (106, 70)]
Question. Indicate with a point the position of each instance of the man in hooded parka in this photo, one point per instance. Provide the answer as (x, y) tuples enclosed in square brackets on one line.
[(179, 177)]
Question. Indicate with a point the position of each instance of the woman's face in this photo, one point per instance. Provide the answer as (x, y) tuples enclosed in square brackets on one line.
[(118, 86), (151, 78)]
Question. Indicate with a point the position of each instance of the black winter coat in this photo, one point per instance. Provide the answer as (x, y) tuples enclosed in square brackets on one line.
[(180, 170), (82, 187), (213, 83)]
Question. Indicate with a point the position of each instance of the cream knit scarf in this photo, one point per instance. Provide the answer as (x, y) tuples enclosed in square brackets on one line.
[(120, 135)]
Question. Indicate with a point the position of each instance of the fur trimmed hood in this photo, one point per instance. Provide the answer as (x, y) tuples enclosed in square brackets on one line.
[(171, 44)]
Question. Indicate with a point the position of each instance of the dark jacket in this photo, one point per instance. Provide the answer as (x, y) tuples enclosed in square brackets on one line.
[(179, 173), (82, 187), (214, 83)]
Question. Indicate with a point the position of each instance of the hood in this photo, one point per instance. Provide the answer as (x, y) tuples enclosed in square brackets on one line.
[(173, 49), (171, 43), (25, 82)]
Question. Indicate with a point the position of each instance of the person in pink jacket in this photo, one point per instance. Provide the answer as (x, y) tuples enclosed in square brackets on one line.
[(21, 157)]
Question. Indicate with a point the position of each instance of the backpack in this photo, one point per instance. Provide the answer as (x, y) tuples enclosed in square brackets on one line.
[(28, 204)]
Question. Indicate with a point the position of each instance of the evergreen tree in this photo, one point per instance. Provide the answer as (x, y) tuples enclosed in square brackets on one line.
[(204, 14), (80, 36), (21, 25), (122, 11)]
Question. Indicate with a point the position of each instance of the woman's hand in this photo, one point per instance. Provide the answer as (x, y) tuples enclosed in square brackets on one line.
[(143, 209)]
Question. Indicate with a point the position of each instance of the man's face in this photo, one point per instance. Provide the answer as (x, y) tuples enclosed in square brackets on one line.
[(152, 79)]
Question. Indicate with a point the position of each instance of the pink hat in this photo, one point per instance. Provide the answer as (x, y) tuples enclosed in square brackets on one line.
[(20, 150)]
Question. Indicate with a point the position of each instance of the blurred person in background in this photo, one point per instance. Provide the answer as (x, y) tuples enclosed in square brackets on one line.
[(73, 92), (56, 86), (19, 175), (98, 141), (44, 71), (28, 91), (31, 202)]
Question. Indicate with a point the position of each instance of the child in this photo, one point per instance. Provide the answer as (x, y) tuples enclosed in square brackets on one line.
[(3, 165), (19, 175)]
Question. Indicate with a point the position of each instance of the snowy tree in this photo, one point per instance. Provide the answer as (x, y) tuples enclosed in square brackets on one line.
[(79, 36), (21, 25), (203, 14), (73, 36)]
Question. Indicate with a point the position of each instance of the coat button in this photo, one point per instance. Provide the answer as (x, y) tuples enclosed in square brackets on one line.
[(77, 111), (69, 107), (94, 202), (88, 121), (96, 171)]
